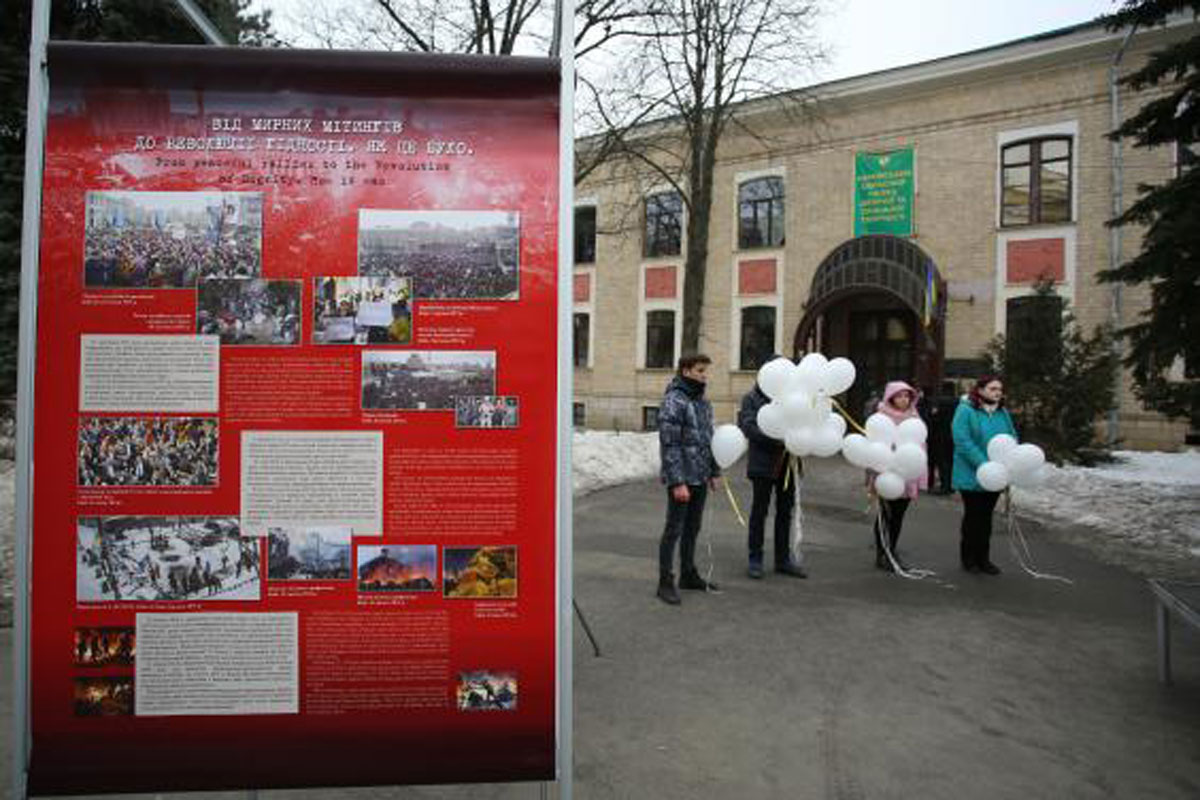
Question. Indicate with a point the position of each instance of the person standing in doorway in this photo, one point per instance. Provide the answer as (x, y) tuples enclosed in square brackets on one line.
[(766, 467), (685, 428), (980, 416)]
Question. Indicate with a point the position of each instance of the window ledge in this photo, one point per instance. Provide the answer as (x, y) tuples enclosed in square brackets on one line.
[(1036, 226)]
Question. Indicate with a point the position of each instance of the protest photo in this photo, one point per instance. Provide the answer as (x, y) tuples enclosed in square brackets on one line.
[(148, 451), (486, 412), (463, 255), (105, 647), (486, 691), (251, 312), (480, 572), (425, 380), (370, 310), (397, 568), (104, 697), (308, 553), (164, 558), (170, 240)]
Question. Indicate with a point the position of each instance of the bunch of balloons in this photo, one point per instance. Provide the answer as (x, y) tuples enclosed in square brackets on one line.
[(1011, 464), (800, 413), (896, 452)]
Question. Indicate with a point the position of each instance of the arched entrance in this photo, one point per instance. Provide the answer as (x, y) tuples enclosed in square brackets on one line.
[(881, 302)]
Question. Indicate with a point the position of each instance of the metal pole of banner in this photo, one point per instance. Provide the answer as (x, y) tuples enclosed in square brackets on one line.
[(201, 23), (564, 32), (35, 140)]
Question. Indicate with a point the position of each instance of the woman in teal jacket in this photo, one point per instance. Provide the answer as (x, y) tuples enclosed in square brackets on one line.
[(980, 416)]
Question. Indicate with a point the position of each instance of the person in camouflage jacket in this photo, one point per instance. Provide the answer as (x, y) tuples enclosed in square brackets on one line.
[(685, 428)]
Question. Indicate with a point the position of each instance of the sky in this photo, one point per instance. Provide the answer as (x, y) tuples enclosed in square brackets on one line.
[(869, 35)]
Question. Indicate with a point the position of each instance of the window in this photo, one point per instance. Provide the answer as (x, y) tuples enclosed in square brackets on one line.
[(758, 336), (1033, 329), (760, 213), (660, 339), (582, 340), (585, 235), (578, 414), (1036, 181), (664, 225), (649, 418)]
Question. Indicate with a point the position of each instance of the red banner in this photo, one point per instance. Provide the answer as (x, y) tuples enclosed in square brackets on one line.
[(294, 508)]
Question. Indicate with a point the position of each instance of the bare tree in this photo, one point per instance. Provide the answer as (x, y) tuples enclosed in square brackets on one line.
[(683, 84)]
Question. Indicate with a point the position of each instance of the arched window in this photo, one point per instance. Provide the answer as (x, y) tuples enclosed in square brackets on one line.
[(760, 213), (1036, 181)]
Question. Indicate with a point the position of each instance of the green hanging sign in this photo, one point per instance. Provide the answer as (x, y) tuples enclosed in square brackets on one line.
[(883, 192)]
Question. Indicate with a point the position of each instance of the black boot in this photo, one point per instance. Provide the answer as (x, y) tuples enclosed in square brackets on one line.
[(690, 579), (666, 589)]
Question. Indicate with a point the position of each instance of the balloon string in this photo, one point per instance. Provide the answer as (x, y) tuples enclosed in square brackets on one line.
[(849, 418), (1020, 546), (884, 540), (797, 525), (733, 501)]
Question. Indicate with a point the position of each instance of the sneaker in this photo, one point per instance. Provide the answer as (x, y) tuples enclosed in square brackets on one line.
[(988, 568), (692, 580), (755, 570), (791, 570), (666, 590)]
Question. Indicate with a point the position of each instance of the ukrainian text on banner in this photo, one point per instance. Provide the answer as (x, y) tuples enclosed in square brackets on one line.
[(883, 193), (294, 511)]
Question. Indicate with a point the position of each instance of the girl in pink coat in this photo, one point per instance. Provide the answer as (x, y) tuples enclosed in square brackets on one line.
[(899, 403)]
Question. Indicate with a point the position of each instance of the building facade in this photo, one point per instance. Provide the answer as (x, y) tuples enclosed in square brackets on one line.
[(904, 226)]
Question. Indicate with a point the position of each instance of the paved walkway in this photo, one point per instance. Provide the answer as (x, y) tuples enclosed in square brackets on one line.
[(856, 685)]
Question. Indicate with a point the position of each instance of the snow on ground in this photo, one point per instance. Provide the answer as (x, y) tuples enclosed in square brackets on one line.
[(1142, 511)]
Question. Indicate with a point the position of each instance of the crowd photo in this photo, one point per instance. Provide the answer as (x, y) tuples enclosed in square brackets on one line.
[(487, 691), (467, 255), (165, 558), (170, 240), (148, 451), (105, 647), (104, 697), (308, 554), (373, 310), (486, 412), (425, 380), (249, 311)]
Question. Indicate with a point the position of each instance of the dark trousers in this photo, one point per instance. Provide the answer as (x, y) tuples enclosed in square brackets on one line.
[(683, 526), (977, 527), (893, 518), (784, 498)]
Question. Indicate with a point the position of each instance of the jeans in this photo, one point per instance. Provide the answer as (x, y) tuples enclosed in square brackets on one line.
[(784, 498), (683, 526)]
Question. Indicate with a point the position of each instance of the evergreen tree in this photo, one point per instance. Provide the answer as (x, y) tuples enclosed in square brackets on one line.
[(81, 20), (1058, 381), (1168, 333)]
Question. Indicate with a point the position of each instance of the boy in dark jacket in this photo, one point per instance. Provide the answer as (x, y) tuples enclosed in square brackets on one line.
[(685, 444), (766, 467)]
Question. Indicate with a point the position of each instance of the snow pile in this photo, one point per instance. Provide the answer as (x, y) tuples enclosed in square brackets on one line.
[(1147, 500), (604, 458)]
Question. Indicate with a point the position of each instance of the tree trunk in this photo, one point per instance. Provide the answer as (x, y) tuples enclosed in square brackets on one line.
[(699, 216)]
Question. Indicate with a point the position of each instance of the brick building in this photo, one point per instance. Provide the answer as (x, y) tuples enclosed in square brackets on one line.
[(902, 228)]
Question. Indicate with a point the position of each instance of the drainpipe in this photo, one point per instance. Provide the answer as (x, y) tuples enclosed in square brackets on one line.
[(1114, 234)]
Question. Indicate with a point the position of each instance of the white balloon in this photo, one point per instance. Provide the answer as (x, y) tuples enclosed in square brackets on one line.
[(999, 447), (909, 461), (889, 485), (854, 448), (728, 445), (799, 441), (992, 475), (837, 421), (1029, 480), (911, 430), (798, 409), (880, 428), (839, 375), (827, 442), (1025, 458), (878, 456), (810, 374), (771, 421), (775, 376)]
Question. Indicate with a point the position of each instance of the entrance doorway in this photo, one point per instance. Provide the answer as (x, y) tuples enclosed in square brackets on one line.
[(882, 347)]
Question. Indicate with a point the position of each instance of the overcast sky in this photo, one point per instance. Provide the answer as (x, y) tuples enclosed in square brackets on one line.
[(869, 35)]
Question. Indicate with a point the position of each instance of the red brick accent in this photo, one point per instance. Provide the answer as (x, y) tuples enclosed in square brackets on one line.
[(660, 283), (1029, 260), (583, 288), (756, 276)]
